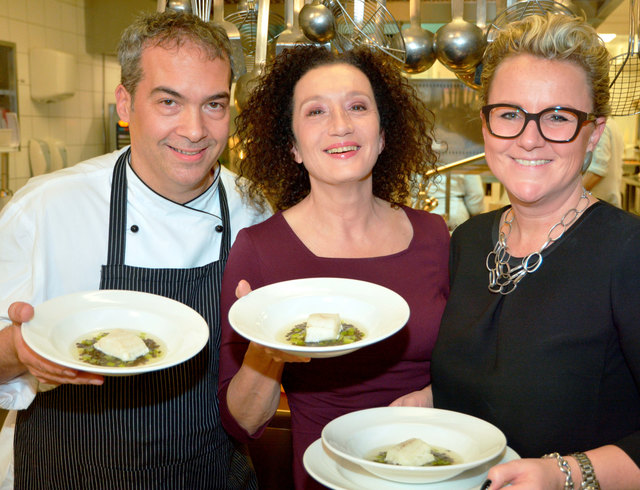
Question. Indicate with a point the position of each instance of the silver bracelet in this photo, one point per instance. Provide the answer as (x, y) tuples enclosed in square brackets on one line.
[(564, 467), (589, 480)]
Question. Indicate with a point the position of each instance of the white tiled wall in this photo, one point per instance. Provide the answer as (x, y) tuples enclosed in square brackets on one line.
[(79, 120)]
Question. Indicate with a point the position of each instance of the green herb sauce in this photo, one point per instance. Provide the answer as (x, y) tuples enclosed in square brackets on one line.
[(348, 334), (89, 354)]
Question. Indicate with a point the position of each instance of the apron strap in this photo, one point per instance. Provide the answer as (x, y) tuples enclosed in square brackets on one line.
[(118, 211), (225, 245)]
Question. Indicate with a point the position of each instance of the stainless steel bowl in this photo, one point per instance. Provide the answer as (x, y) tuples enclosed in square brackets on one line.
[(179, 5), (460, 45), (419, 47), (317, 22)]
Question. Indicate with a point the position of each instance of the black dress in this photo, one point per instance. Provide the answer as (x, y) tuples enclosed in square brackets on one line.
[(556, 363)]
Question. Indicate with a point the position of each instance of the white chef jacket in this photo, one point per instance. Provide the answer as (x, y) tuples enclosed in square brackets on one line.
[(466, 198), (607, 163), (54, 242)]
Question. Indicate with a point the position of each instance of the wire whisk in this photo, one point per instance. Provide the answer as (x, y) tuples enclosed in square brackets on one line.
[(202, 9)]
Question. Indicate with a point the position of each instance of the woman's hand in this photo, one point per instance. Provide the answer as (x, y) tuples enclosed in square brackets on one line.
[(422, 398), (613, 468), (26, 359), (272, 354), (254, 391), (242, 289)]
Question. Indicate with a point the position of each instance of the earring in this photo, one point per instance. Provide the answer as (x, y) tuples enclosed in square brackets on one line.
[(587, 161)]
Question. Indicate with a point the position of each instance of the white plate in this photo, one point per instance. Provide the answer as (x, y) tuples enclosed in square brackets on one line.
[(340, 474), (266, 314), (357, 435), (60, 322)]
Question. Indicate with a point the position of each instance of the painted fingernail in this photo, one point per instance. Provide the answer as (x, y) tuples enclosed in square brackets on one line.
[(485, 485)]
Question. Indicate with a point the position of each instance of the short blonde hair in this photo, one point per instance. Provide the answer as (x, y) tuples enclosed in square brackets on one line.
[(553, 37)]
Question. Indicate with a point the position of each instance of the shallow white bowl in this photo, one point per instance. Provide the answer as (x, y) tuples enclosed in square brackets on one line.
[(339, 474), (266, 314), (60, 322), (357, 435)]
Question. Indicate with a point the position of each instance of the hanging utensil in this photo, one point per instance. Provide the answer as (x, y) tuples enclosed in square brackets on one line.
[(624, 71), (292, 34), (459, 44), (179, 6), (317, 22), (366, 23), (245, 18), (247, 82), (350, 23), (233, 33), (202, 9), (418, 42), (472, 76), (481, 15)]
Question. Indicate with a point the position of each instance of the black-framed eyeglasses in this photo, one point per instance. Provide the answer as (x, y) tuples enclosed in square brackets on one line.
[(555, 124)]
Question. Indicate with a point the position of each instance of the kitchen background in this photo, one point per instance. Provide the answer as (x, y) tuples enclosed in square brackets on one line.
[(88, 29), (83, 34)]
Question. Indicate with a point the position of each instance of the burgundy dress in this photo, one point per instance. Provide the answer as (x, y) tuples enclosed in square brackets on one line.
[(323, 389)]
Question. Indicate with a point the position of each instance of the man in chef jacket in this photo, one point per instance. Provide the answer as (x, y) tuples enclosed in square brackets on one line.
[(604, 175), (158, 217)]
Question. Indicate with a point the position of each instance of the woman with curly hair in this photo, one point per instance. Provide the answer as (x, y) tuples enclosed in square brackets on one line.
[(330, 141)]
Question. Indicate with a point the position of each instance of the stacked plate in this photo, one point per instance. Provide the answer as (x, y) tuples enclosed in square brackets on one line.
[(344, 456)]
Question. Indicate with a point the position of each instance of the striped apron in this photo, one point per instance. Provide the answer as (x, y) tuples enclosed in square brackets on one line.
[(153, 430)]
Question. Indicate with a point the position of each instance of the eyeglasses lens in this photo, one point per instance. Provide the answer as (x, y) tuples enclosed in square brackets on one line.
[(554, 124)]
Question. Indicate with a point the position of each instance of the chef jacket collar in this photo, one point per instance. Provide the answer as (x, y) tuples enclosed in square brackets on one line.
[(202, 203)]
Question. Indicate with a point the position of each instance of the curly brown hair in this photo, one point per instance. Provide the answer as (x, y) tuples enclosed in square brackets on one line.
[(264, 128)]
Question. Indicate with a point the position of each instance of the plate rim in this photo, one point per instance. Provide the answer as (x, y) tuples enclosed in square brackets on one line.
[(418, 413), (317, 445), (301, 350), (113, 296)]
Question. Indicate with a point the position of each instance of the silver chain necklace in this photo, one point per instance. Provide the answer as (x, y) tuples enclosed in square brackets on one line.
[(504, 278)]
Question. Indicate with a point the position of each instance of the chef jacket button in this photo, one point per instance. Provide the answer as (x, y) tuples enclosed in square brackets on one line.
[(134, 228), (219, 228)]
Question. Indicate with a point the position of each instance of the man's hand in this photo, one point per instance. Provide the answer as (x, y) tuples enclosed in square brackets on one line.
[(26, 359)]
